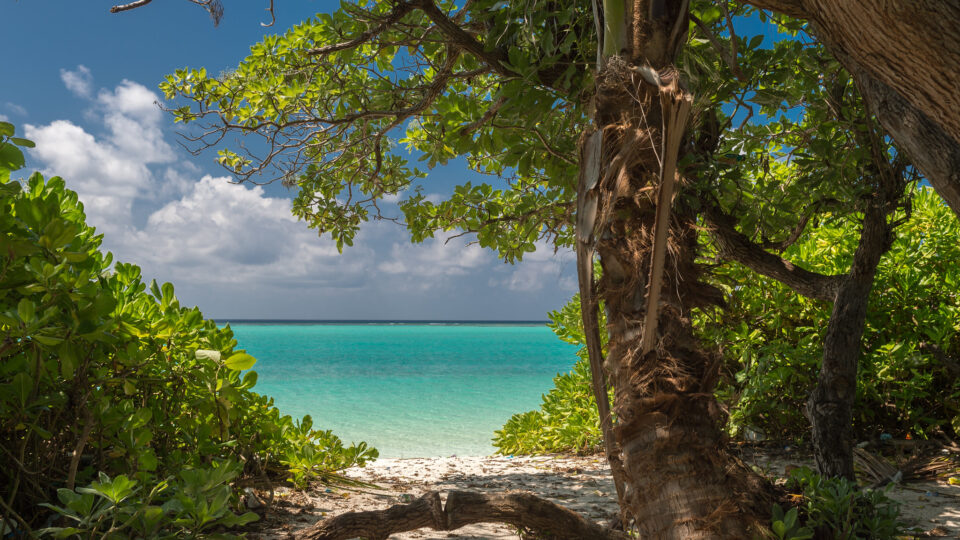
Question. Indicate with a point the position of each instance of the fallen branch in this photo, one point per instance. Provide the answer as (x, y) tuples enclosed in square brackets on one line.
[(462, 508)]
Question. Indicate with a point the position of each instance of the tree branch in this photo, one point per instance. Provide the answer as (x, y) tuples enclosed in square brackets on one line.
[(735, 246), (791, 8), (462, 508), (497, 60), (128, 7), (728, 58), (399, 11)]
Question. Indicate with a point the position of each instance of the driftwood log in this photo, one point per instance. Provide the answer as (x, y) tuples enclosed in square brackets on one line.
[(523, 510)]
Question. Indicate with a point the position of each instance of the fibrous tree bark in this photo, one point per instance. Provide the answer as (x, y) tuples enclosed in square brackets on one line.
[(678, 481)]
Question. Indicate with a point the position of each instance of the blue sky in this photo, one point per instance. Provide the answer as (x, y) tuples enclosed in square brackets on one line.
[(82, 83)]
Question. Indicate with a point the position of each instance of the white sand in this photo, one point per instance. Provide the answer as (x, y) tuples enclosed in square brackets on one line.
[(582, 484)]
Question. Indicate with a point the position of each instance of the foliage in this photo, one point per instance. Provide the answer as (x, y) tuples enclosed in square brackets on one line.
[(188, 507), (101, 372), (772, 338), (334, 112), (786, 525), (838, 508), (567, 420)]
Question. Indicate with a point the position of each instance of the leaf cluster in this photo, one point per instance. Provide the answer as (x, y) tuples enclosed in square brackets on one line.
[(836, 508), (343, 105), (567, 420), (192, 505)]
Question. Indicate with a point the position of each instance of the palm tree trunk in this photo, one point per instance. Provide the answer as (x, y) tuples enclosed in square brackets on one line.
[(678, 480)]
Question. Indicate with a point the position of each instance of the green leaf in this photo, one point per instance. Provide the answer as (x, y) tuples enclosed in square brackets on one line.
[(27, 310), (23, 142), (22, 384), (205, 354), (11, 157), (6, 129), (46, 340), (240, 361), (155, 289)]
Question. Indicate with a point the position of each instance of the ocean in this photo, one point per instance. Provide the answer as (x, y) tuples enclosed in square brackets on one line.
[(407, 389)]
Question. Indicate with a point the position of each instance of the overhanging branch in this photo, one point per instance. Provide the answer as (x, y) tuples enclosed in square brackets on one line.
[(735, 246)]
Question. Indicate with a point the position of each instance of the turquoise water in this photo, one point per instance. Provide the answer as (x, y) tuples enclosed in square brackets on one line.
[(408, 390)]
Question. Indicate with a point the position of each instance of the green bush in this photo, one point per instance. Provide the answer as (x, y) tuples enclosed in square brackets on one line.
[(101, 373), (772, 343), (567, 420), (836, 508), (772, 338), (188, 507)]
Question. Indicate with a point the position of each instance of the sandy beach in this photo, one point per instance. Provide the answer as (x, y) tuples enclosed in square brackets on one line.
[(582, 484)]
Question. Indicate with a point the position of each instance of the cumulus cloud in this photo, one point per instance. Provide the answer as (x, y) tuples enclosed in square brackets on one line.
[(225, 233), (80, 82), (4, 118), (223, 241), (132, 116), (425, 265), (111, 171)]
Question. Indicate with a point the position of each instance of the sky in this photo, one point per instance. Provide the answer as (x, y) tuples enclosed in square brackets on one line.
[(82, 84)]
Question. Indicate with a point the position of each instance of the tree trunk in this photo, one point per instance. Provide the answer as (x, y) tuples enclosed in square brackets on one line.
[(679, 482), (906, 59), (830, 407)]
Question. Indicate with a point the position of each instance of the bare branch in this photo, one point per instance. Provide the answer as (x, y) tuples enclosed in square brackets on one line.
[(128, 7), (273, 16), (462, 508)]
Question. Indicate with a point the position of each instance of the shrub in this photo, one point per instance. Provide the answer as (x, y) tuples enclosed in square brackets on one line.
[(102, 373), (772, 338), (836, 508), (567, 420)]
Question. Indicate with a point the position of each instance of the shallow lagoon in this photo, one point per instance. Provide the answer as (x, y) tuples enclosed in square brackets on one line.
[(410, 390)]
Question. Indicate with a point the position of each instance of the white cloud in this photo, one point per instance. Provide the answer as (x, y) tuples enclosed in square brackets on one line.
[(225, 233), (539, 268), (106, 178), (111, 171), (14, 108), (4, 118), (134, 119), (80, 82), (425, 265)]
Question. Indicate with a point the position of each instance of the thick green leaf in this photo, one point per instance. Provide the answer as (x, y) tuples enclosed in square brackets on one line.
[(23, 142), (11, 158), (27, 310), (240, 361)]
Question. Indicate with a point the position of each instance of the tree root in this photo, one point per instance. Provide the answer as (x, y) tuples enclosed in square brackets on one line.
[(523, 510)]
